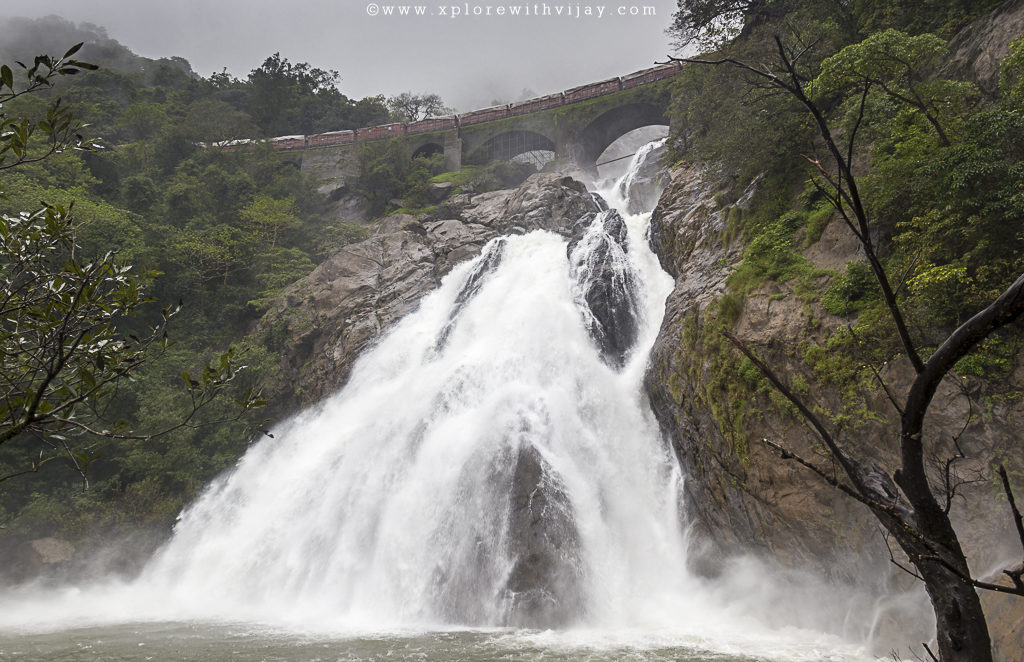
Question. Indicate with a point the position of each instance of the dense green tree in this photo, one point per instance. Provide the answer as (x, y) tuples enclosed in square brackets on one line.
[(142, 120), (270, 217), (899, 66), (387, 172), (409, 107), (288, 98)]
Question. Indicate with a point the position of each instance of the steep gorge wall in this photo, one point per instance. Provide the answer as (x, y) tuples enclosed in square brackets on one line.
[(741, 496)]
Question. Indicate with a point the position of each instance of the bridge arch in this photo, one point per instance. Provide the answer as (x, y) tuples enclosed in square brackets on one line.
[(613, 124), (428, 149), (508, 144)]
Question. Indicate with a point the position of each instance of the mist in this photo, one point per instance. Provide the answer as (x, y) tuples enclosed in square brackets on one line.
[(469, 60)]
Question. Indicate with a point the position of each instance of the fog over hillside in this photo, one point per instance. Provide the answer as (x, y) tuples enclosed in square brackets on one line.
[(469, 60)]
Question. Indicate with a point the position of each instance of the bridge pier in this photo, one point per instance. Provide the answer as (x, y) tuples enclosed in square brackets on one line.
[(452, 151), (568, 147)]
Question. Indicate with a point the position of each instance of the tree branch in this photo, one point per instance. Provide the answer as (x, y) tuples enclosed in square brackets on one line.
[(787, 454), (1007, 307), (1017, 520)]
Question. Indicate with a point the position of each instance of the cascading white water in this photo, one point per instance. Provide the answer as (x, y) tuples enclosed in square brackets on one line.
[(389, 505), (485, 465)]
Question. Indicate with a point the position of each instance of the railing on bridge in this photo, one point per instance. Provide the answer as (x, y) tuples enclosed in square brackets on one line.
[(449, 122)]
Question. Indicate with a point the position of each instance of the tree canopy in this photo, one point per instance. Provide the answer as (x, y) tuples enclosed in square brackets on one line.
[(409, 107)]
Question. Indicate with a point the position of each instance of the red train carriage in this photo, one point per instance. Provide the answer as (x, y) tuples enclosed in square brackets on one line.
[(332, 138), (593, 90), (382, 131), (538, 103), (484, 115), (441, 123)]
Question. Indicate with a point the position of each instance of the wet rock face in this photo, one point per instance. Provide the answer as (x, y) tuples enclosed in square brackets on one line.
[(321, 323), (30, 559), (606, 285), (978, 49), (741, 497), (544, 587)]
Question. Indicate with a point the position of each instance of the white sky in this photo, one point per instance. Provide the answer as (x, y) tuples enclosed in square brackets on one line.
[(467, 60)]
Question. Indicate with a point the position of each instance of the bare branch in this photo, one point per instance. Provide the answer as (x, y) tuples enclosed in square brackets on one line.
[(878, 377), (1017, 520), (892, 559), (856, 127), (845, 169), (787, 454)]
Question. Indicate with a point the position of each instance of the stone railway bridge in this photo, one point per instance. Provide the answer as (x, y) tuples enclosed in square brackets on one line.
[(577, 125)]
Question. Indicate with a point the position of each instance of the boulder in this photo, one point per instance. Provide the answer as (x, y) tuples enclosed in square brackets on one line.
[(439, 191), (978, 49)]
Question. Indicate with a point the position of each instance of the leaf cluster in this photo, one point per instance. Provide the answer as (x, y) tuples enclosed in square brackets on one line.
[(58, 127)]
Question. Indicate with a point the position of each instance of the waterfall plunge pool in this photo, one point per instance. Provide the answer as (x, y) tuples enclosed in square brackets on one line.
[(211, 642)]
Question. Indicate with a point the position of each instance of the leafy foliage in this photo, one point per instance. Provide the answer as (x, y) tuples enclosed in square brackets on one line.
[(58, 127), (284, 98), (710, 23), (409, 107), (387, 172), (218, 232), (63, 351), (901, 67)]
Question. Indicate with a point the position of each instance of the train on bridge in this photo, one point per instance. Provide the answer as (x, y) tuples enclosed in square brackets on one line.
[(449, 122)]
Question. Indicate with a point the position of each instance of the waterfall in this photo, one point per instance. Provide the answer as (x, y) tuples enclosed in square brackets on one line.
[(492, 462)]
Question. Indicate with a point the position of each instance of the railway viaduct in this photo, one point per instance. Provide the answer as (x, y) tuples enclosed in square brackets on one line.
[(576, 125)]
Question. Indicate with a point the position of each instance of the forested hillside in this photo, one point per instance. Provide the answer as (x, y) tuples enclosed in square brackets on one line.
[(225, 231), (936, 155)]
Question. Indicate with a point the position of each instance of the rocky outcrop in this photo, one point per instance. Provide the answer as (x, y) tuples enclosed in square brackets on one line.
[(730, 511), (605, 284), (977, 50), (686, 234), (741, 496), (544, 587), (322, 322)]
